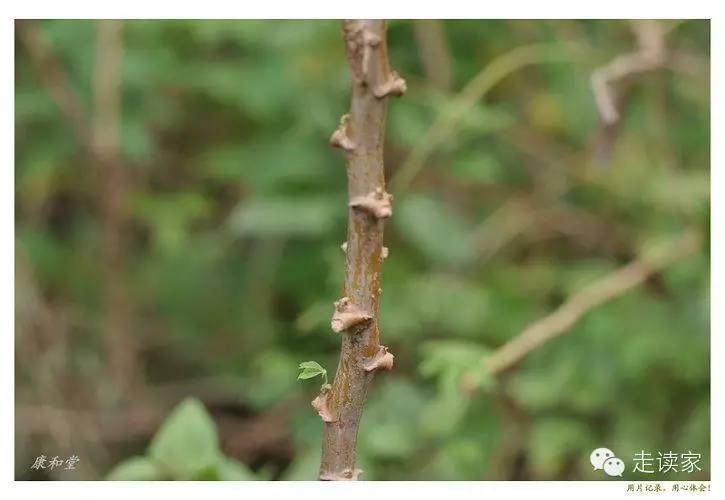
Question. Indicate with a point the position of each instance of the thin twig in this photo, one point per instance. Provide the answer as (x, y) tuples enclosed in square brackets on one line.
[(445, 123), (54, 78), (107, 157), (601, 291), (361, 135), (435, 55), (650, 55)]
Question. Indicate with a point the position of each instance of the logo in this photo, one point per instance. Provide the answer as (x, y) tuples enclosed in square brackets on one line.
[(604, 459)]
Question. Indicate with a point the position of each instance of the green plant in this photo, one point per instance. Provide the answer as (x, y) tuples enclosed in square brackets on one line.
[(311, 369), (186, 447)]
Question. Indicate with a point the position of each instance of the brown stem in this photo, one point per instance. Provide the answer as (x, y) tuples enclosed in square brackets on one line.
[(106, 155), (435, 55), (361, 135), (99, 137), (651, 54)]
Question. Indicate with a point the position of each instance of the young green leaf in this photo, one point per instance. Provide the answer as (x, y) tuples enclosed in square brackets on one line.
[(310, 369)]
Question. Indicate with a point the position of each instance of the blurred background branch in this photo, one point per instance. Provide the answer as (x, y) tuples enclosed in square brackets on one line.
[(597, 293), (112, 196), (435, 54), (56, 81), (445, 123)]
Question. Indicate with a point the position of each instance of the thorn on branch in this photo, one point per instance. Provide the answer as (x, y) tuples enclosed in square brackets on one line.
[(377, 203), (340, 138), (320, 403), (347, 315), (344, 246), (346, 475), (382, 360), (395, 86)]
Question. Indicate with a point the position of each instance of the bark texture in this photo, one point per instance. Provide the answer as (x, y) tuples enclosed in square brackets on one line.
[(361, 136)]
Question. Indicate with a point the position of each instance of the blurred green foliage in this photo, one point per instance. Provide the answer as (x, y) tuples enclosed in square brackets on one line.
[(185, 448), (236, 207)]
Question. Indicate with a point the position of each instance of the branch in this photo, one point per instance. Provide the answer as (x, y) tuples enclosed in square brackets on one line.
[(106, 154), (99, 139), (361, 135), (605, 289), (56, 81), (650, 55), (525, 213), (449, 117), (434, 52)]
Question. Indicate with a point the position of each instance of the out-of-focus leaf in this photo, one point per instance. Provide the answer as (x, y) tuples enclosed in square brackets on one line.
[(285, 217), (232, 470), (187, 444), (136, 469), (169, 217), (434, 229), (395, 410), (554, 441), (274, 373)]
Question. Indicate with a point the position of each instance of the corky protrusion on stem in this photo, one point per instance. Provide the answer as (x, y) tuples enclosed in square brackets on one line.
[(365, 52), (383, 360), (347, 315), (395, 86), (320, 403), (340, 137), (377, 203)]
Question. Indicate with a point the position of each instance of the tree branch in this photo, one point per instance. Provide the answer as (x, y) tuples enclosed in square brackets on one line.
[(434, 52), (361, 135), (98, 135), (605, 289), (448, 118), (650, 54), (54, 79), (106, 154)]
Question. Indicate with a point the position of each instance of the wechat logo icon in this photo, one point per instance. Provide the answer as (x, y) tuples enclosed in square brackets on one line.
[(604, 459)]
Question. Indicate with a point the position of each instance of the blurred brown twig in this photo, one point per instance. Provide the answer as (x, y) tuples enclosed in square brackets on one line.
[(601, 291), (650, 54), (56, 81)]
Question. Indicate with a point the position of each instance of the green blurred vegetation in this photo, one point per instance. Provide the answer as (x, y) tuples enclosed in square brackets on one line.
[(234, 212)]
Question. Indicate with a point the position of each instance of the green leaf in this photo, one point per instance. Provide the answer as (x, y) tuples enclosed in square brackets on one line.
[(136, 469), (395, 408), (311, 369), (284, 217), (231, 470), (187, 444), (439, 232), (556, 442), (273, 378)]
